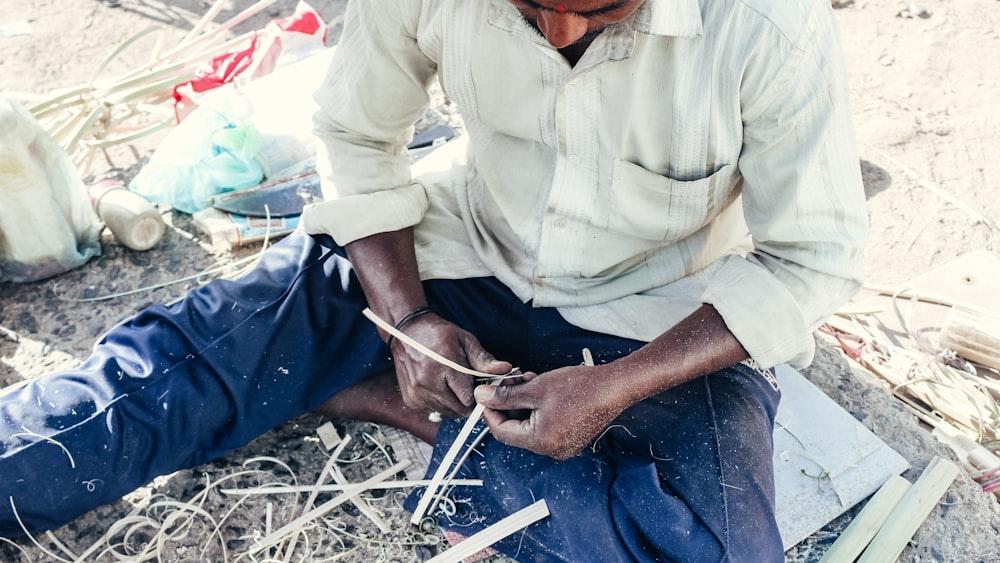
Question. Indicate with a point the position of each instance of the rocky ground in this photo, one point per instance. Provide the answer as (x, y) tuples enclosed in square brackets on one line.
[(927, 113)]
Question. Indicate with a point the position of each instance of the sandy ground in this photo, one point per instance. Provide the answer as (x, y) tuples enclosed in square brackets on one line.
[(926, 101)]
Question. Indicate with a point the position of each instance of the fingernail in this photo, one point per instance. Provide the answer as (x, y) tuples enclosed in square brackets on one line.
[(484, 393)]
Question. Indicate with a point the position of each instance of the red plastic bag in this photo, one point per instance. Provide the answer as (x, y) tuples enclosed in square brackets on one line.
[(283, 40)]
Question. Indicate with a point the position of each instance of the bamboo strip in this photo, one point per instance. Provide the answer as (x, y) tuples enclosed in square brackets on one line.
[(58, 98), (360, 503), (425, 350), (105, 143), (337, 488), (118, 49), (215, 33), (911, 511), (81, 129), (963, 398), (866, 524), (311, 500), (908, 293), (489, 536), (449, 480), (202, 23), (977, 458), (322, 509), (446, 462)]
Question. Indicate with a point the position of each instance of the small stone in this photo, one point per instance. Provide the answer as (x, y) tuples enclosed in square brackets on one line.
[(886, 60), (913, 11)]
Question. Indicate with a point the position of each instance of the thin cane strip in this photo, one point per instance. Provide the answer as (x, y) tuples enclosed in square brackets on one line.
[(72, 462), (491, 535), (24, 552), (327, 469), (203, 22), (348, 488), (446, 462), (236, 506), (360, 503), (224, 27), (327, 507), (31, 537), (448, 481), (52, 538), (431, 353)]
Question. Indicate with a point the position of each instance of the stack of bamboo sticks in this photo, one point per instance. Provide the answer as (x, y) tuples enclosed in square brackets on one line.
[(106, 111)]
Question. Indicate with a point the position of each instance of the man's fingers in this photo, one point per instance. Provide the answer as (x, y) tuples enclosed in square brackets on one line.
[(510, 431), (462, 386), (481, 360), (506, 397)]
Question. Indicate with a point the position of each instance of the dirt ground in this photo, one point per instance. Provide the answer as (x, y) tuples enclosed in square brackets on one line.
[(926, 102)]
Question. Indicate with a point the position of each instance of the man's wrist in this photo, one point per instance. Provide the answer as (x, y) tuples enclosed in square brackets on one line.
[(406, 319)]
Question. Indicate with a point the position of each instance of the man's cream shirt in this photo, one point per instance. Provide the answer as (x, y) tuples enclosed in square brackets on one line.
[(701, 151)]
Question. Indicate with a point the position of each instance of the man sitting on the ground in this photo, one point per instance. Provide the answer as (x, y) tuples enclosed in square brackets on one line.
[(671, 184)]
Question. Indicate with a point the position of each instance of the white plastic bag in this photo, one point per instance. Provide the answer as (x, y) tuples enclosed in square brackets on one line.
[(47, 225)]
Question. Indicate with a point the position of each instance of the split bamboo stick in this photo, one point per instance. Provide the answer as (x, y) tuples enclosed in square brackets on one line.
[(866, 524), (491, 535), (311, 499), (911, 511), (446, 462)]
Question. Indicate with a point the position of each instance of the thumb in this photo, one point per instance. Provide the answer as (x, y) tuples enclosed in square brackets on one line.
[(505, 397), (481, 360)]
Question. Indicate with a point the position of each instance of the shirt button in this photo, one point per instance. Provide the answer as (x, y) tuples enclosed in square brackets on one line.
[(574, 159), (559, 223)]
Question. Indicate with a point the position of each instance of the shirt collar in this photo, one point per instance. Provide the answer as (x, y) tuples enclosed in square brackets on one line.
[(680, 18)]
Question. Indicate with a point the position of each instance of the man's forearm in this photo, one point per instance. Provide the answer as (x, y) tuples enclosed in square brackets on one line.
[(386, 265), (698, 345)]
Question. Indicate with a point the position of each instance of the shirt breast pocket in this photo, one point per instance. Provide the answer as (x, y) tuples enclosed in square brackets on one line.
[(654, 207)]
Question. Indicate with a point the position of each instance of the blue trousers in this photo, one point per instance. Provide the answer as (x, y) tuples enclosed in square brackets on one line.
[(685, 475)]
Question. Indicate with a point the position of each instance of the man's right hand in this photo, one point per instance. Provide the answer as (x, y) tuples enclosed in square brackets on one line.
[(429, 385), (386, 265)]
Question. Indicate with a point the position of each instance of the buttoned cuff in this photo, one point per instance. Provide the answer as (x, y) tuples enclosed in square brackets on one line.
[(761, 313), (354, 217)]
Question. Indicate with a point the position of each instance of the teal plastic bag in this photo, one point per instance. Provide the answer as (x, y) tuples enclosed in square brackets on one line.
[(208, 154)]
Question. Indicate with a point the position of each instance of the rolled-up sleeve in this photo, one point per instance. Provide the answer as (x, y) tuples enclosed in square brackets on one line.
[(803, 201), (375, 89)]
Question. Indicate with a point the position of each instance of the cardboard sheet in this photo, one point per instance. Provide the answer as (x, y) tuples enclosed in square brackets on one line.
[(825, 461)]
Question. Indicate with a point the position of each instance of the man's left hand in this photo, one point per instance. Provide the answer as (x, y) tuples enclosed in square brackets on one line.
[(558, 413)]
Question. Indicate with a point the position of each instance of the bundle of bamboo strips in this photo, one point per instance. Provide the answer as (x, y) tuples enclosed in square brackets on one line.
[(939, 384), (107, 111), (934, 388)]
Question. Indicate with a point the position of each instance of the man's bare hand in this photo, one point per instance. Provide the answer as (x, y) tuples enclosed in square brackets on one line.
[(558, 413), (428, 385)]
